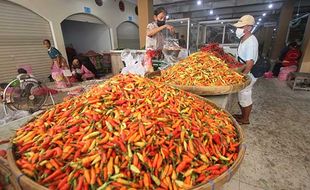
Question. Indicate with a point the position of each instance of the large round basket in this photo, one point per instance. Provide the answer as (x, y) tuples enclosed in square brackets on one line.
[(28, 184), (207, 90), (6, 175), (214, 90)]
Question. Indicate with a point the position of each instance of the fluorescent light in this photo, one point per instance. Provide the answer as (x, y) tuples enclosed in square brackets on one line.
[(270, 6), (167, 17), (192, 25), (222, 22), (259, 19), (217, 18), (264, 14), (199, 2), (181, 22), (211, 12)]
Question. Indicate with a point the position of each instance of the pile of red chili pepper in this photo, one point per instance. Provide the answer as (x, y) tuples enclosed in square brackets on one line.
[(219, 52), (201, 69), (128, 132)]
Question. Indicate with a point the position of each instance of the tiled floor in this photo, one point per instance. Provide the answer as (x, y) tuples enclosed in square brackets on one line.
[(278, 140)]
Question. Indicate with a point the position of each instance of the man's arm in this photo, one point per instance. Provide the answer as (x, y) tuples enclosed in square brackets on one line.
[(248, 66)]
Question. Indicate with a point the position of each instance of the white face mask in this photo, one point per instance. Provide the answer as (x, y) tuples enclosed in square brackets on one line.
[(239, 32)]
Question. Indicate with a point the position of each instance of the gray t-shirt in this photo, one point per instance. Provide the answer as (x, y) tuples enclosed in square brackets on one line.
[(155, 42)]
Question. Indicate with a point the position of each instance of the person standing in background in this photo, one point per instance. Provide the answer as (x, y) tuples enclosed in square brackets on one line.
[(154, 36), (182, 41), (247, 53), (58, 65)]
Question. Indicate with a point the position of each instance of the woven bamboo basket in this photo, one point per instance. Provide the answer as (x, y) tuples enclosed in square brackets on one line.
[(207, 90), (5, 172), (28, 184)]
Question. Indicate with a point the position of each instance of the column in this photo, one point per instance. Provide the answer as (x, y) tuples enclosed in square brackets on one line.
[(267, 40), (305, 60), (145, 9), (285, 17), (58, 38)]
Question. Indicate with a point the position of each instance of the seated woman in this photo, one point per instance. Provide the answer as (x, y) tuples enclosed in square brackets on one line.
[(289, 56), (80, 71)]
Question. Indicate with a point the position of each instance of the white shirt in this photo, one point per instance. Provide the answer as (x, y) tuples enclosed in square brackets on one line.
[(248, 50)]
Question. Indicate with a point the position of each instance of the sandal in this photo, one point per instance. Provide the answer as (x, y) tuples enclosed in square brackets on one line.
[(241, 122), (237, 116)]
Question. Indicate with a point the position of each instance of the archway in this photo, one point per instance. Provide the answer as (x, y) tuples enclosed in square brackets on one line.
[(85, 32), (128, 35)]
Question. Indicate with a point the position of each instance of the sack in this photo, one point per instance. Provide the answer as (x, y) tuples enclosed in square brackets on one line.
[(285, 71), (261, 66)]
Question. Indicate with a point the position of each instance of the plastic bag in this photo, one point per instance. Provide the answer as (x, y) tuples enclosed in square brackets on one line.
[(285, 71), (133, 63), (171, 50), (14, 115)]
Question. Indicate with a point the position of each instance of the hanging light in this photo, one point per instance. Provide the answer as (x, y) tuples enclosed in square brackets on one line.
[(199, 2), (211, 12), (270, 5)]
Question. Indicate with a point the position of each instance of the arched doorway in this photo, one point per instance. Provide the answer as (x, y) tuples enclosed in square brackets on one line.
[(84, 32), (128, 35)]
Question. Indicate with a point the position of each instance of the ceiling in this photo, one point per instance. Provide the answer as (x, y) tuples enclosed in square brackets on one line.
[(227, 9)]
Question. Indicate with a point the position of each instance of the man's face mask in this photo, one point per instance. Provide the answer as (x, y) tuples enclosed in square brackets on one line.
[(239, 32)]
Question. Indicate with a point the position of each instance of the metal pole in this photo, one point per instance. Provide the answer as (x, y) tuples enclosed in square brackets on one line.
[(188, 29), (197, 35), (224, 30)]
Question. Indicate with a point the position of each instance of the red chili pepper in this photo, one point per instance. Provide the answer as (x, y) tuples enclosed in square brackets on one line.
[(25, 147), (52, 176), (74, 129), (217, 138)]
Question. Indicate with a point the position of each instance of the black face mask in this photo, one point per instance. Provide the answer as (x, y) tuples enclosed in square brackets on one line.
[(161, 23)]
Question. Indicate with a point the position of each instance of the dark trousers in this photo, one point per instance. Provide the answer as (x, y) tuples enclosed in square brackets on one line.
[(276, 69)]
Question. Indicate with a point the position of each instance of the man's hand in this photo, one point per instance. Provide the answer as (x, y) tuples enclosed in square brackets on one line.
[(249, 64)]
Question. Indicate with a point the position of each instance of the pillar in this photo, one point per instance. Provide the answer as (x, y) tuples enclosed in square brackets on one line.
[(267, 40), (145, 8), (305, 60), (285, 17), (58, 38)]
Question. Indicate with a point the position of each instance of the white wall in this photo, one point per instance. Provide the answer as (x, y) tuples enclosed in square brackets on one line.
[(128, 35), (86, 36), (55, 11)]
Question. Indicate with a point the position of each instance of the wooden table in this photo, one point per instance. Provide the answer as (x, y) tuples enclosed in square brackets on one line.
[(299, 81)]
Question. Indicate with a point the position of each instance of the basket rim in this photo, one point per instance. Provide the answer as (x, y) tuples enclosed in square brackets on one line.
[(207, 90)]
